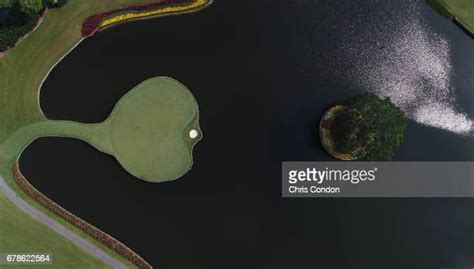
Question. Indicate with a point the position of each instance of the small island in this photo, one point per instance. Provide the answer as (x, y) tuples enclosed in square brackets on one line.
[(367, 128)]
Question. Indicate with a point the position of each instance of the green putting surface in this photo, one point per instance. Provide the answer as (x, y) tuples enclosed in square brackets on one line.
[(150, 130)]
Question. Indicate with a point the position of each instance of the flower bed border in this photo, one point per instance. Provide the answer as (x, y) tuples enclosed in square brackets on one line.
[(92, 24), (88, 228)]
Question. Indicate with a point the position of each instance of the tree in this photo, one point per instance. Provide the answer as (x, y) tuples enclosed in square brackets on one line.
[(370, 127), (6, 3), (31, 6)]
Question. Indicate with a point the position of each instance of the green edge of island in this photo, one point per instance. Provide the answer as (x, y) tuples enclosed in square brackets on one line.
[(459, 11)]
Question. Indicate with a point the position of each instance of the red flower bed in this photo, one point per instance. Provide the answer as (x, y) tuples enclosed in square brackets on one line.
[(90, 25)]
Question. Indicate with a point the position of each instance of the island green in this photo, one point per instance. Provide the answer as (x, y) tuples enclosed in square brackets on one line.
[(148, 131)]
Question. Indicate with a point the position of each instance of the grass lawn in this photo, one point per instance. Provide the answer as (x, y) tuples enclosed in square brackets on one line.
[(20, 233), (460, 10), (23, 69)]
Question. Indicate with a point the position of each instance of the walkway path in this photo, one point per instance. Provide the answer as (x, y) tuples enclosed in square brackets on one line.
[(76, 239)]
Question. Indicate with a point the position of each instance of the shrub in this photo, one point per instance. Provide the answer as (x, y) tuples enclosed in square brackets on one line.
[(16, 25), (20, 17), (31, 6)]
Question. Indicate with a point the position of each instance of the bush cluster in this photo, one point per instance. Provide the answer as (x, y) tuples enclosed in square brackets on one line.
[(18, 17)]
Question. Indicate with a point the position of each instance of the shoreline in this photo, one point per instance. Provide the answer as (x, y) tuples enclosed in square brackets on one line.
[(103, 28), (325, 134), (59, 228), (190, 11), (143, 8), (463, 26), (97, 234), (51, 70)]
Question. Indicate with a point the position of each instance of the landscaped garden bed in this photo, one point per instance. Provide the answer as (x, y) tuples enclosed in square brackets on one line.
[(113, 17)]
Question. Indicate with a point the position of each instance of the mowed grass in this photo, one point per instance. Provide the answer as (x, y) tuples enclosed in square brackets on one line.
[(460, 10), (24, 67), (19, 233), (96, 134), (149, 130)]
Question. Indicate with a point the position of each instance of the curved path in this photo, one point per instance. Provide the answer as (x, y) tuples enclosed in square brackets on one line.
[(57, 227)]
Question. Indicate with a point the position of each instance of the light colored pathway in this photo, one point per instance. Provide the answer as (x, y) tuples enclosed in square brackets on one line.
[(76, 239)]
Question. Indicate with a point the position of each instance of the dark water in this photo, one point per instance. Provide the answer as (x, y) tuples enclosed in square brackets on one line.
[(260, 92), (4, 13)]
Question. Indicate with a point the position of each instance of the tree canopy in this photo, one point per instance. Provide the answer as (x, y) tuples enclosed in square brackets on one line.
[(6, 3), (31, 6), (370, 127), (18, 17), (55, 3)]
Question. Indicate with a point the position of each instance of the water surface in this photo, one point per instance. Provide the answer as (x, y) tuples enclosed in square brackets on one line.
[(263, 72)]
